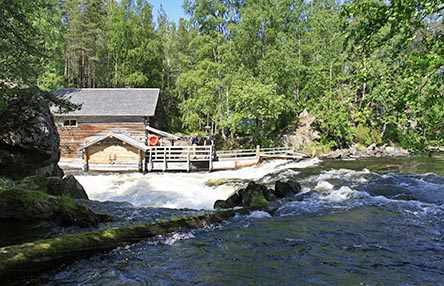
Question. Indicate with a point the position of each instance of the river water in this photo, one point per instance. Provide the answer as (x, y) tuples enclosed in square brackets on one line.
[(362, 222)]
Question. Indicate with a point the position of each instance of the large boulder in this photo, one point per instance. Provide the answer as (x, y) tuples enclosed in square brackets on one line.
[(254, 195), (259, 196), (29, 142), (21, 205), (68, 186)]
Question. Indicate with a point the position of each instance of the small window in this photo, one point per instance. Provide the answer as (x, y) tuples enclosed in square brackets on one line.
[(69, 123)]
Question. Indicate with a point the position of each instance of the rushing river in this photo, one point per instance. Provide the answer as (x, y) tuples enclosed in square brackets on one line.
[(362, 222)]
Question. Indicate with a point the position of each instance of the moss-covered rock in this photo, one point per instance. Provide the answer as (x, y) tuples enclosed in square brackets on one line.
[(19, 204), (56, 186), (259, 196), (254, 195)]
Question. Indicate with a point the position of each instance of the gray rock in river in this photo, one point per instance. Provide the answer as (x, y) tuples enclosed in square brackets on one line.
[(259, 196)]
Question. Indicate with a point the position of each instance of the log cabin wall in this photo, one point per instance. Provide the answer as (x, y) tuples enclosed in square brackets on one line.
[(112, 151), (88, 128)]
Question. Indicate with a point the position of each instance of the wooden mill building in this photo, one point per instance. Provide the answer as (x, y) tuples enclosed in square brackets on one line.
[(111, 125)]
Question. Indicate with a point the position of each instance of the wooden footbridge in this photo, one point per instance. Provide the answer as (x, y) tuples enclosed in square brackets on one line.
[(186, 158), (119, 152), (200, 158)]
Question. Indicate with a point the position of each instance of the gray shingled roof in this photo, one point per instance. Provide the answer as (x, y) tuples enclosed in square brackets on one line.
[(111, 101)]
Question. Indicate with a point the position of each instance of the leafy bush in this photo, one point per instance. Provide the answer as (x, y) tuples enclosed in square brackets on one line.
[(366, 135)]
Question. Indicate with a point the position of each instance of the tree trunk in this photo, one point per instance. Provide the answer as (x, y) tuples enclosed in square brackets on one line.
[(34, 257)]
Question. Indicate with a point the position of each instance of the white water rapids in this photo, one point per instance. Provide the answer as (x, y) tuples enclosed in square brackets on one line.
[(179, 190), (360, 222)]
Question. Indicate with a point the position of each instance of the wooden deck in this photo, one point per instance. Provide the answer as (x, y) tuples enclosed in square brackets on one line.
[(199, 158), (205, 158), (179, 158)]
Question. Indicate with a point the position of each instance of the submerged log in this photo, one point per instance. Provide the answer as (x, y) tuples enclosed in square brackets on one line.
[(38, 256)]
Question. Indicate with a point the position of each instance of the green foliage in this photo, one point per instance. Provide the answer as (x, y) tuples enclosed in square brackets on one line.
[(20, 44), (365, 135), (244, 67), (398, 71), (255, 108)]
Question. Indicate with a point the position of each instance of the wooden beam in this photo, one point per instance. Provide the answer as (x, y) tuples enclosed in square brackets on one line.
[(85, 160)]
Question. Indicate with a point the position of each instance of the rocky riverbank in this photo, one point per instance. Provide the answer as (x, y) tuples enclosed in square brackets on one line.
[(303, 137), (33, 189), (359, 151)]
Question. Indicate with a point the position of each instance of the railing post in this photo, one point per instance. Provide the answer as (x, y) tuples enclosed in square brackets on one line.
[(210, 163), (188, 159), (258, 151), (150, 159), (141, 156), (165, 166), (85, 159)]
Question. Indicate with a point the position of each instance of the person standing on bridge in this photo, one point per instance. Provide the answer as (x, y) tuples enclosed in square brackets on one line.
[(208, 141), (194, 142)]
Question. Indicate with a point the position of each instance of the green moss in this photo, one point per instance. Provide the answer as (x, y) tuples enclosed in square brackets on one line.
[(66, 202), (259, 201), (31, 198), (19, 196), (44, 254)]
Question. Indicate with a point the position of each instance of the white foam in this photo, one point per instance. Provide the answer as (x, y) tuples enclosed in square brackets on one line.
[(175, 190), (324, 187), (344, 193), (171, 239), (259, 214)]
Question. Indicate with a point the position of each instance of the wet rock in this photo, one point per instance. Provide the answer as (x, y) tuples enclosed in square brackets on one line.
[(56, 186), (73, 188), (29, 142), (251, 196), (233, 201), (79, 215), (301, 196), (286, 189), (259, 196)]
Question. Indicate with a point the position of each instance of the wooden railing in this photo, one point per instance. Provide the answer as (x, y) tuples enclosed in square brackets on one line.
[(160, 157), (163, 158), (236, 153), (247, 153)]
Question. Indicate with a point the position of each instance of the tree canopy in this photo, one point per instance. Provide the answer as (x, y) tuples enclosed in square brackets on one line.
[(368, 70)]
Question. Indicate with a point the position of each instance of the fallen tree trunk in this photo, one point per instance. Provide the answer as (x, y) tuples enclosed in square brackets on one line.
[(35, 257)]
